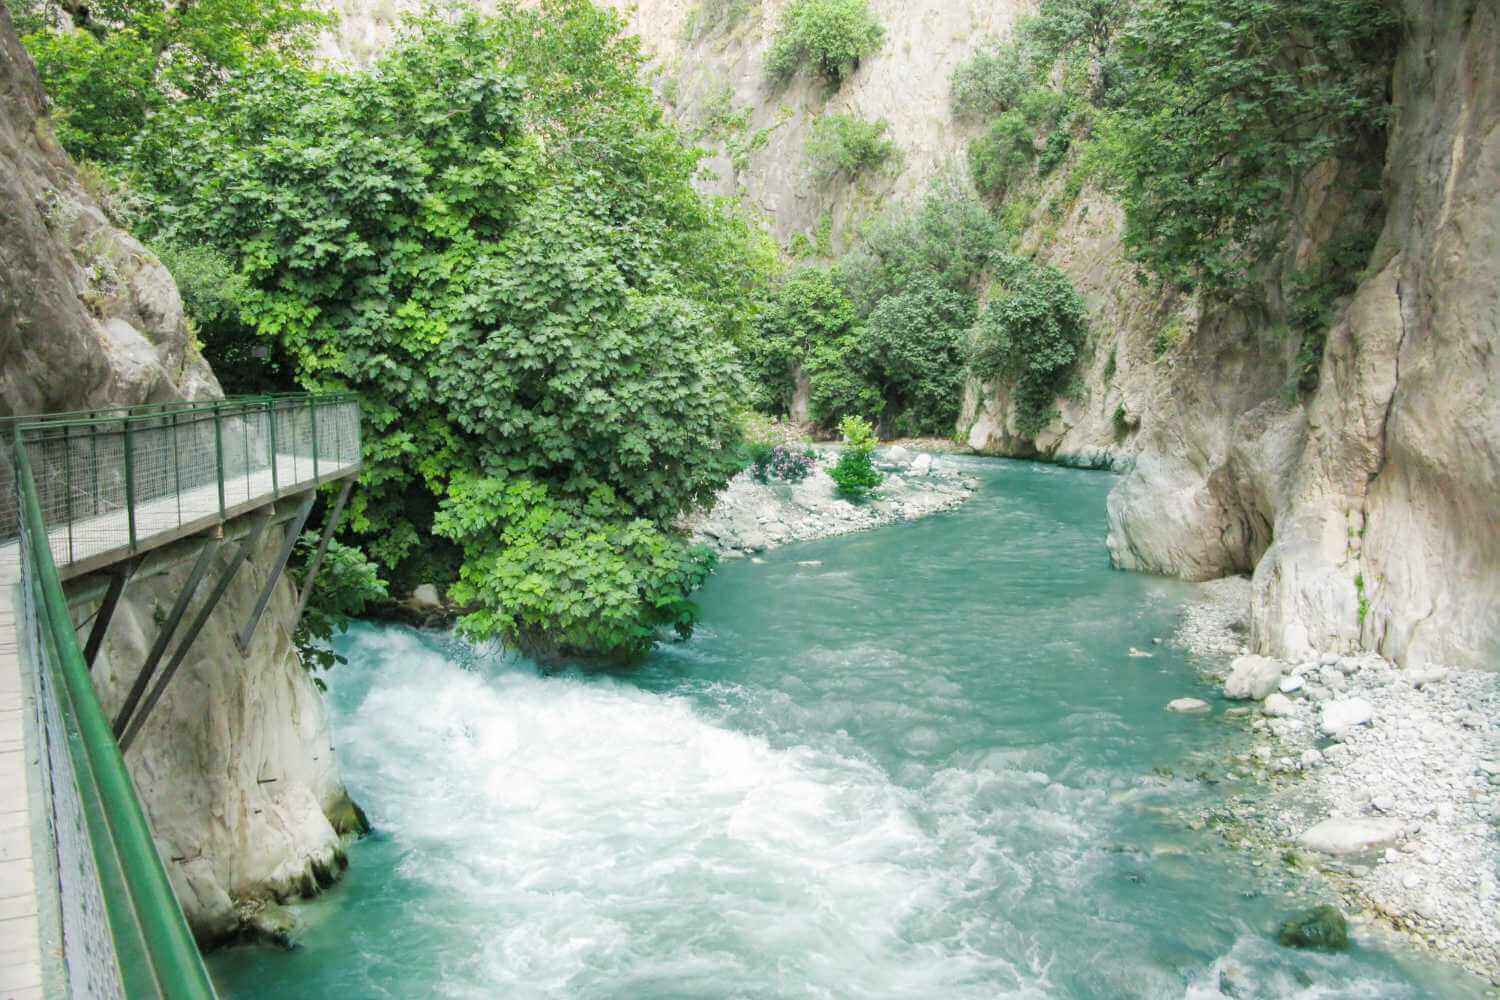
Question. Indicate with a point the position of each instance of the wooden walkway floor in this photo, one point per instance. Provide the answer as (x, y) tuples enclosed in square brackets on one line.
[(20, 950)]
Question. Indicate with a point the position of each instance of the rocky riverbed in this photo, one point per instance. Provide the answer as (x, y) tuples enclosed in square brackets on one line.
[(752, 516), (1383, 780)]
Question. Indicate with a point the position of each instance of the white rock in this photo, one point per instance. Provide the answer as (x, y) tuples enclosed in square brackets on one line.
[(896, 455), (1311, 758), (921, 465), (1422, 678), (426, 598), (1187, 705), (1278, 705), (1384, 803), (1290, 684), (1252, 677), (1352, 836), (1338, 717), (1328, 659)]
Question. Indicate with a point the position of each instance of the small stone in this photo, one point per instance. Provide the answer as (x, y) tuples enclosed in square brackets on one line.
[(1278, 705), (1311, 759), (1321, 927), (1140, 654), (426, 598), (1383, 803), (1328, 660), (1349, 665), (1290, 684), (1187, 705), (1420, 679), (1338, 717), (1410, 880)]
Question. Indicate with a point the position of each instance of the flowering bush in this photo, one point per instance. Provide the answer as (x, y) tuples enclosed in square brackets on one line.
[(784, 462)]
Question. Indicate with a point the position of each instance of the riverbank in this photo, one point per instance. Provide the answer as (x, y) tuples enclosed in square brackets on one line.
[(1385, 781), (752, 516)]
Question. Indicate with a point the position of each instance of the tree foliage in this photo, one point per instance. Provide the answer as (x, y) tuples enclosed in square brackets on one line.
[(831, 36), (493, 237), (845, 146), (854, 474), (1030, 336), (1223, 108), (109, 65)]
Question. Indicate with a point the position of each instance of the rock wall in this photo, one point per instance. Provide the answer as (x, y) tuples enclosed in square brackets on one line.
[(235, 767)]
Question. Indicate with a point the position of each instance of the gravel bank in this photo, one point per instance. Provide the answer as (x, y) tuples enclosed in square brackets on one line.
[(1386, 781), (752, 517)]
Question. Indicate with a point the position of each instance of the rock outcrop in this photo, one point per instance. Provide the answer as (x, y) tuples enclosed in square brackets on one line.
[(235, 767)]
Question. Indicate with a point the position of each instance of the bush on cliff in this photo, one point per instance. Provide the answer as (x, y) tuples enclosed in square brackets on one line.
[(492, 236), (832, 36)]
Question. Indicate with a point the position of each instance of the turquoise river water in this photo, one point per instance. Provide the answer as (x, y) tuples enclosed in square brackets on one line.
[(914, 762)]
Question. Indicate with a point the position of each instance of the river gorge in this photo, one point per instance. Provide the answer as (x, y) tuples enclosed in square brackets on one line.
[(918, 761)]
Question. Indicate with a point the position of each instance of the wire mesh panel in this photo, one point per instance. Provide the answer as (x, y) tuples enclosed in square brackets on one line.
[(88, 946), (114, 481)]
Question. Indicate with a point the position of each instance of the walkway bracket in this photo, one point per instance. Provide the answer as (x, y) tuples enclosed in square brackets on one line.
[(293, 532), (226, 576), (330, 525), (117, 581)]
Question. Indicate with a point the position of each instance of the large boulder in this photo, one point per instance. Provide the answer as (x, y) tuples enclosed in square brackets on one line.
[(1252, 677), (1339, 836), (1322, 927)]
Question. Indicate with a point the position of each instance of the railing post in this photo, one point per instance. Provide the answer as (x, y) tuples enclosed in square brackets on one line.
[(130, 484), (68, 486), (312, 417), (271, 418), (176, 469), (219, 455), (94, 463)]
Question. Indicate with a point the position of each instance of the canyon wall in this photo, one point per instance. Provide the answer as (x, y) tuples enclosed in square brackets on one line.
[(235, 767)]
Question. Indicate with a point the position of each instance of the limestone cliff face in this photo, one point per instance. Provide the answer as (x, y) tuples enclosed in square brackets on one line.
[(1366, 512), (235, 768)]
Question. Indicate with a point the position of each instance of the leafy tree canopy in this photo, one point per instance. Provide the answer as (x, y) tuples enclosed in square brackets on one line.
[(492, 236)]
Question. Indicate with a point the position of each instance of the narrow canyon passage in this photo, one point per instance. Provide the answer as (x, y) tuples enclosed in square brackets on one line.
[(916, 762)]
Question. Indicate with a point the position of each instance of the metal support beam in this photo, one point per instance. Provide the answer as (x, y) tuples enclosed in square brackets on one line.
[(163, 639), (329, 526), (293, 532), (106, 611), (134, 724)]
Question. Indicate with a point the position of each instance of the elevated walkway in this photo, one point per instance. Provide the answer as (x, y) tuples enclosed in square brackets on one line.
[(86, 909)]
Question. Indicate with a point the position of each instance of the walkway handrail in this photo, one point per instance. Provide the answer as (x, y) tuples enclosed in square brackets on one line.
[(154, 954), (119, 481)]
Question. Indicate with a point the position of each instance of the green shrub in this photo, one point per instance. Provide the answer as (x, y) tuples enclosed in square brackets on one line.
[(521, 282), (991, 81), (854, 475), (1002, 155), (1030, 336), (832, 36), (847, 146), (710, 17), (782, 462)]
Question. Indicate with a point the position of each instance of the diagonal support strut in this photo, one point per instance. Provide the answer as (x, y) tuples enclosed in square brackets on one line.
[(329, 527), (163, 638), (134, 723), (293, 532), (117, 581)]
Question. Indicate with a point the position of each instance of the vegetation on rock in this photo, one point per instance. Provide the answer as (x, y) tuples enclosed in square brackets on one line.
[(830, 36), (845, 146)]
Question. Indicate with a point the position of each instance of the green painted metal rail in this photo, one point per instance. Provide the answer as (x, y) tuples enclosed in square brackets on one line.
[(154, 951), (96, 487)]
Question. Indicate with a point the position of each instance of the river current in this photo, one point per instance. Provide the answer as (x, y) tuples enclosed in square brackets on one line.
[(915, 762)]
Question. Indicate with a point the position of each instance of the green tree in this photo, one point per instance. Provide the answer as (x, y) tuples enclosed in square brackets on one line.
[(1002, 155), (854, 475), (913, 343), (109, 65), (1030, 336), (833, 36), (493, 237), (1223, 108)]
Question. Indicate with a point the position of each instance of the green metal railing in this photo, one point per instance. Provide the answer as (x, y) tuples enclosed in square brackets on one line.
[(123, 931), (117, 481), (96, 487)]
